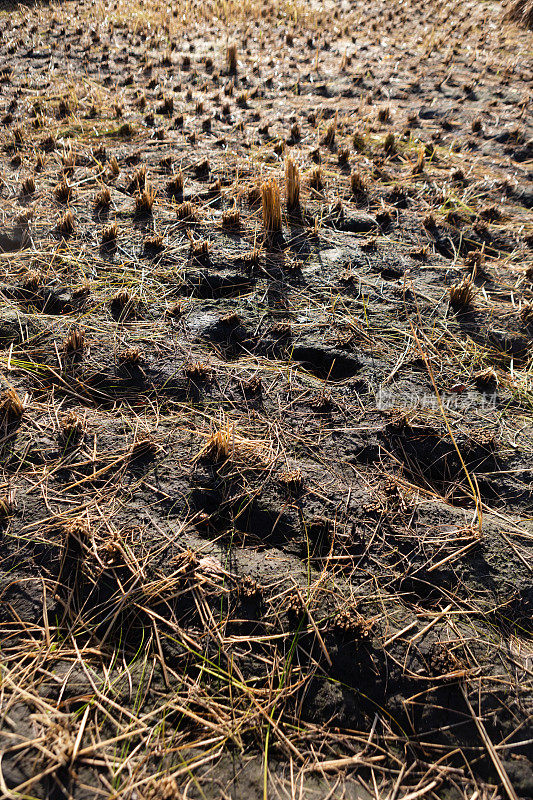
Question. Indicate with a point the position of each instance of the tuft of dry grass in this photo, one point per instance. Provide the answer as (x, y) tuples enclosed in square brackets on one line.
[(316, 179), (221, 444), (231, 219), (68, 161), (167, 106), (343, 157), (253, 194), (114, 167), (126, 130), (225, 443), (197, 370), (110, 235), (143, 449), (358, 142), (130, 356), (144, 201), (389, 144), (66, 225), (137, 181), (271, 205), (418, 168), (71, 428), (18, 137), (75, 341), (292, 183), (63, 191), (28, 186), (185, 211), (231, 59), (11, 406), (6, 507), (124, 305), (154, 243), (121, 299), (358, 184), (292, 480), (462, 293), (174, 185), (251, 258), (296, 133), (103, 198), (32, 280), (199, 249), (328, 140), (384, 115)]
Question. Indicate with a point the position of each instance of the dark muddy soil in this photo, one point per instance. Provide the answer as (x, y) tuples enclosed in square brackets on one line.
[(266, 497)]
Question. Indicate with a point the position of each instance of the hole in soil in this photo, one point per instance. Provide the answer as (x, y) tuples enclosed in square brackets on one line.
[(263, 522), (432, 460), (211, 286), (46, 301), (326, 364), (426, 588), (391, 273), (516, 615)]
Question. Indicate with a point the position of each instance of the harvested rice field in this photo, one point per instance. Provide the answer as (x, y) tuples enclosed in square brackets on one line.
[(266, 400)]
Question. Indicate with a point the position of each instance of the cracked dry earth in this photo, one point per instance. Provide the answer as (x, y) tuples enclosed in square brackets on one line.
[(266, 316)]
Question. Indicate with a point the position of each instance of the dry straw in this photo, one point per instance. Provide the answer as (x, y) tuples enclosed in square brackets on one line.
[(270, 198), (292, 180)]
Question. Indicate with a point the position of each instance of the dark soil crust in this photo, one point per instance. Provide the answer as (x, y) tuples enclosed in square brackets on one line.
[(265, 509)]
